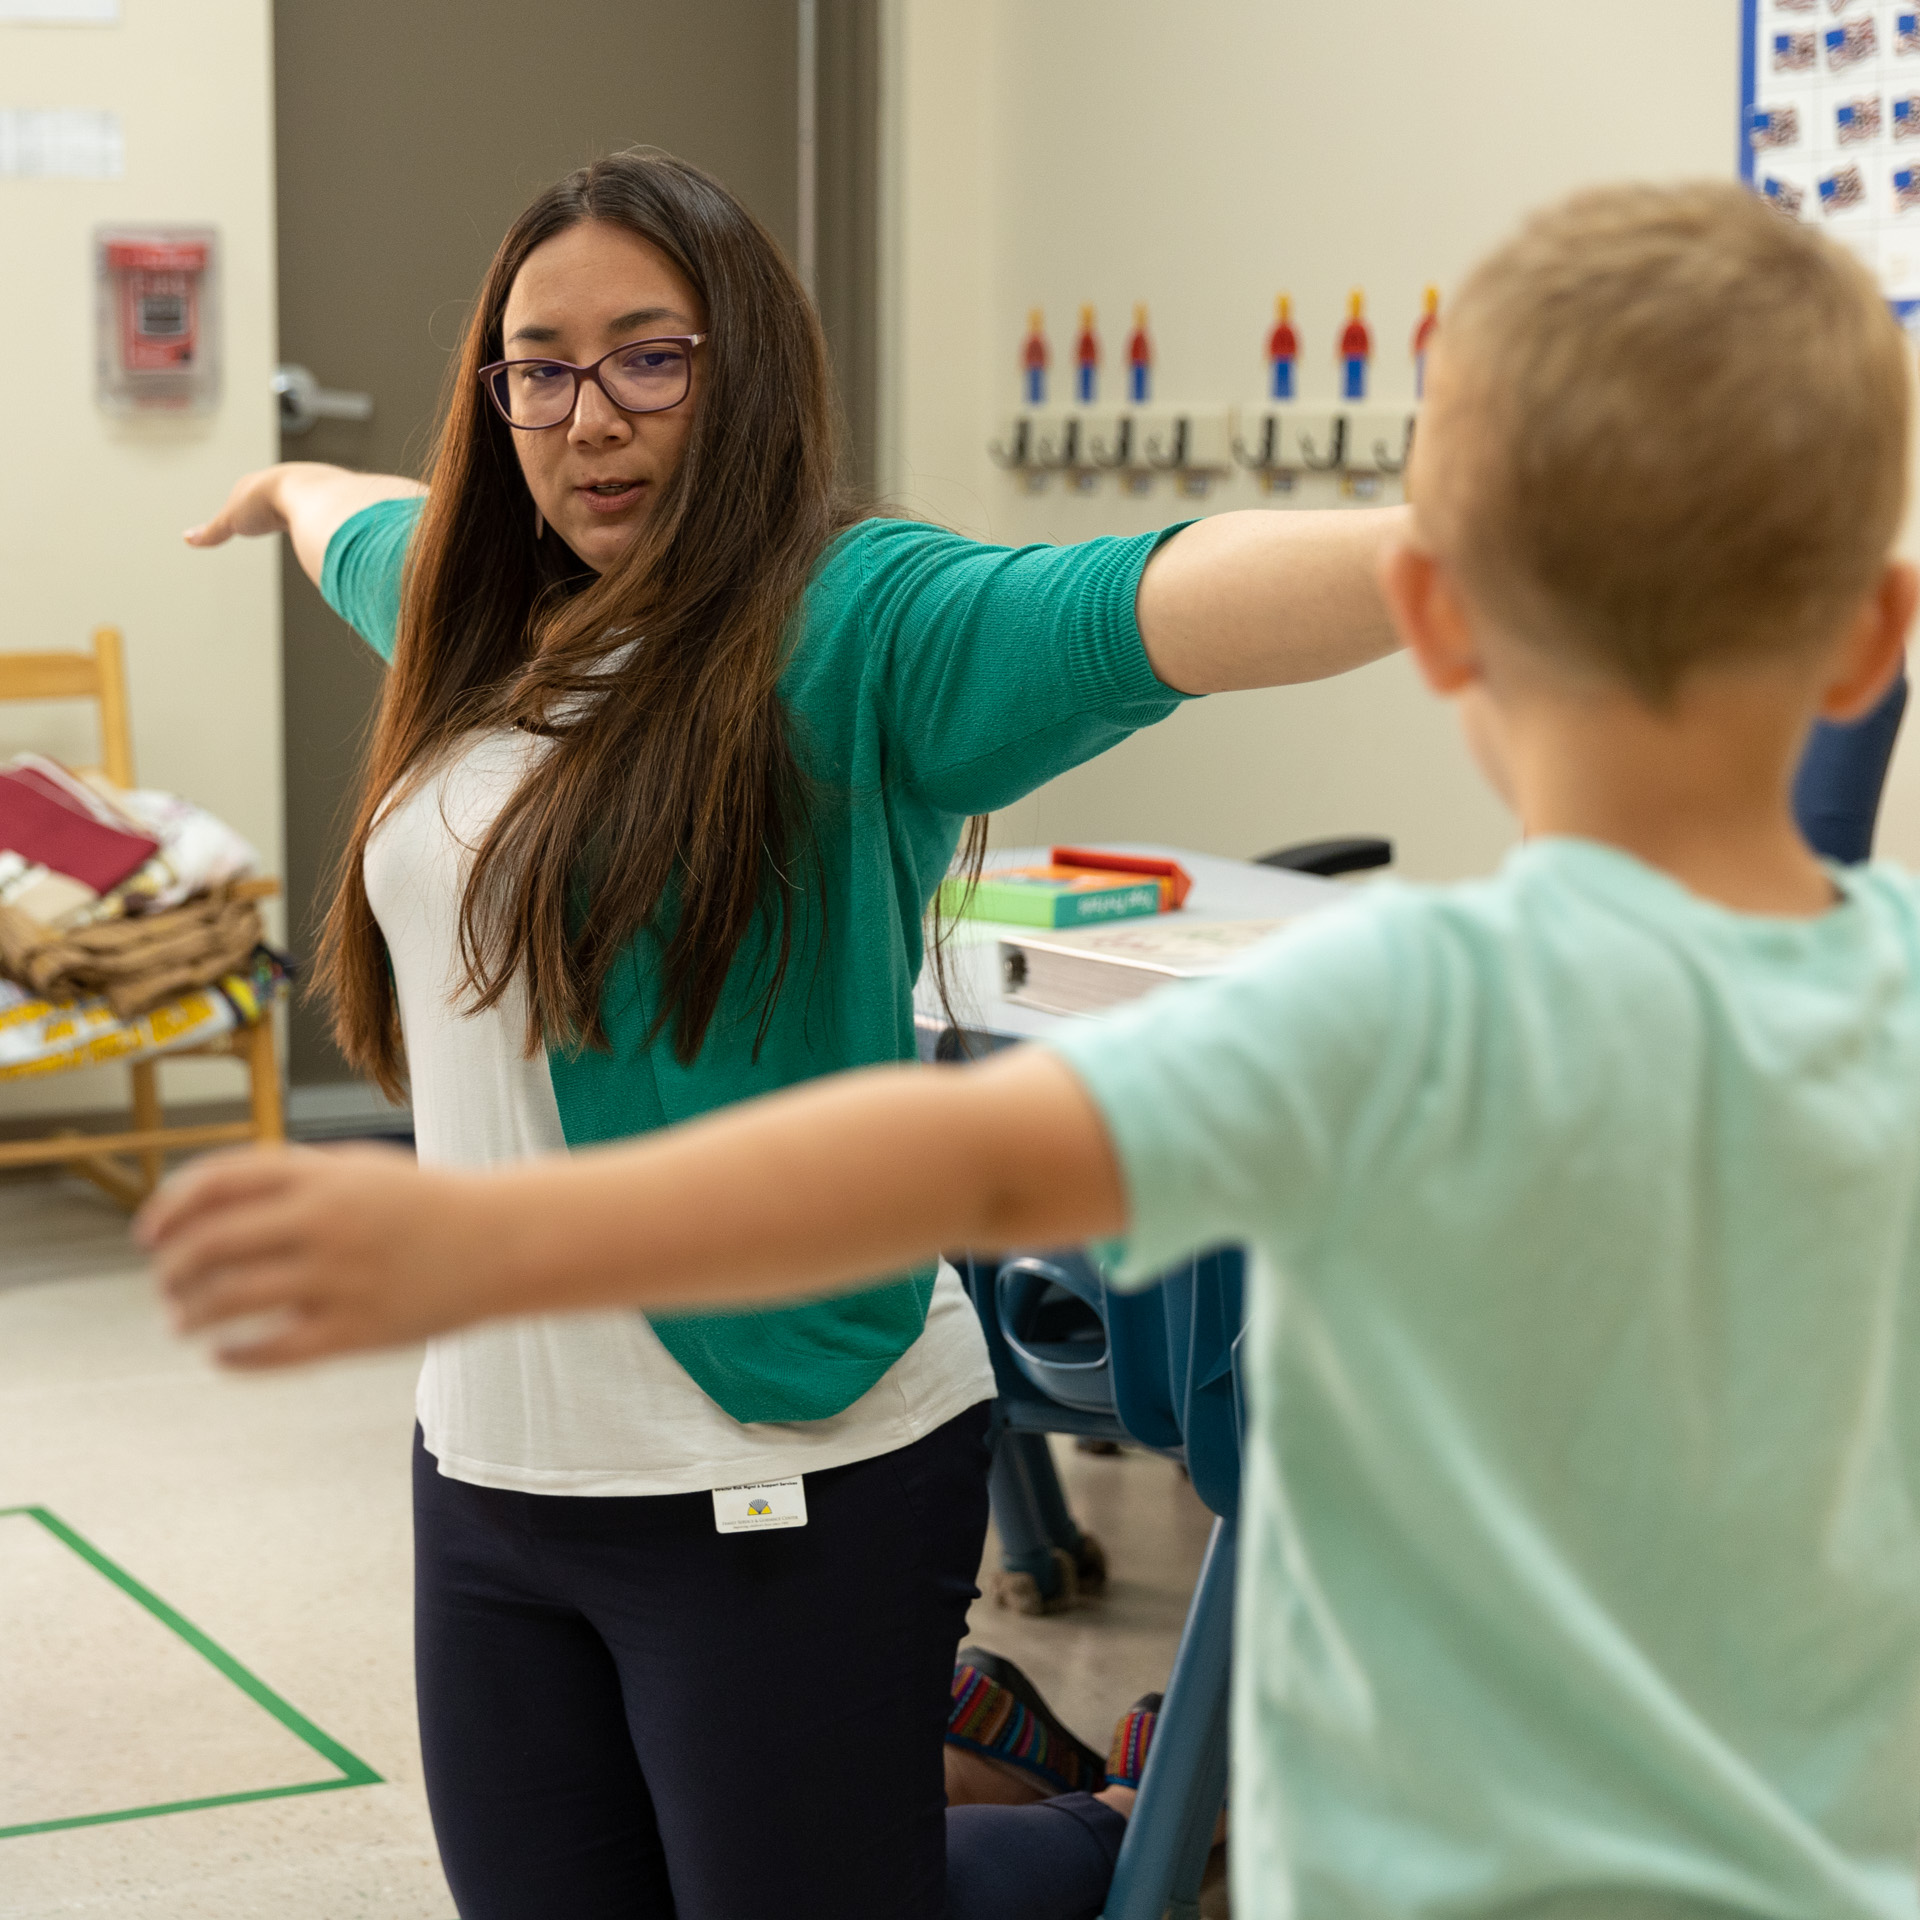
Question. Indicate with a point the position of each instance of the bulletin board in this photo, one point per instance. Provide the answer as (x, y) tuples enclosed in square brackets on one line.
[(1830, 127)]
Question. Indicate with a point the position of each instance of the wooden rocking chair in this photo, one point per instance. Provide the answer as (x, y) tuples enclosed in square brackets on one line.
[(128, 1164)]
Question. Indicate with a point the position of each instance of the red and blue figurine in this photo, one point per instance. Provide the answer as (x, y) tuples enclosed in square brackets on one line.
[(1086, 360), (1423, 339), (1139, 360), (1033, 359), (1356, 349), (1283, 348)]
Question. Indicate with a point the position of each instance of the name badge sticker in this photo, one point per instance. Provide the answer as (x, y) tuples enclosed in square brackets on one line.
[(756, 1508)]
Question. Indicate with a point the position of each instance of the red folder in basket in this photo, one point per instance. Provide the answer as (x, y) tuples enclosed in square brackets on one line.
[(50, 833)]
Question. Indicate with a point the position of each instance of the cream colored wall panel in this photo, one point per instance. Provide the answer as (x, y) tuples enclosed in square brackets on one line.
[(1202, 158), (92, 505), (1242, 776), (937, 260)]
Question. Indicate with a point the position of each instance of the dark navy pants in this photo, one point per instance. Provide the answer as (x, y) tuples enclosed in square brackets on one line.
[(624, 1713)]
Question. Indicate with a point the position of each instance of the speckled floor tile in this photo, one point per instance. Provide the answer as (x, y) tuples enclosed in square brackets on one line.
[(272, 1514)]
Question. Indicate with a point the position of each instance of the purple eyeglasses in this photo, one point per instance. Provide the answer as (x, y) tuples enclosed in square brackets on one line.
[(644, 376)]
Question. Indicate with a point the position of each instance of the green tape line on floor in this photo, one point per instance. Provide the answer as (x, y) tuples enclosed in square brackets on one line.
[(354, 1772)]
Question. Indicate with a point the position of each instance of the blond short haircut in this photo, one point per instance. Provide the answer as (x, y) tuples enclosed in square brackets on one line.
[(1668, 428)]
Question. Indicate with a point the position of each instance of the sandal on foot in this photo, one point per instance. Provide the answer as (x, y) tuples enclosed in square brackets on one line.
[(997, 1711), (1127, 1756)]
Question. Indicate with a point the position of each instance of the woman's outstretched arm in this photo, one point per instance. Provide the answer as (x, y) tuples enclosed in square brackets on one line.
[(806, 1192), (303, 498), (1259, 599)]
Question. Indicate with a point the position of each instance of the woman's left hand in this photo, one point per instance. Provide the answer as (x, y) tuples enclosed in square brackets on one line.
[(341, 1248)]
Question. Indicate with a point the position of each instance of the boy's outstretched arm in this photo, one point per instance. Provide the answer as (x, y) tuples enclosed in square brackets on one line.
[(808, 1192)]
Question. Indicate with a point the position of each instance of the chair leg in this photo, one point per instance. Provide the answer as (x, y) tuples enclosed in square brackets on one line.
[(1057, 1522), (1041, 1550), (1185, 1784), (263, 1072), (121, 1183), (1049, 1501), (147, 1117)]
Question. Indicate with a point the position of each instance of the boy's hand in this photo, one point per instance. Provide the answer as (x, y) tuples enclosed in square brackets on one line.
[(819, 1189), (344, 1248)]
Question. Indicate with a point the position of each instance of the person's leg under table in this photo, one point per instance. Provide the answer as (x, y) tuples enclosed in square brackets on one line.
[(1049, 1860), (538, 1802), (787, 1691)]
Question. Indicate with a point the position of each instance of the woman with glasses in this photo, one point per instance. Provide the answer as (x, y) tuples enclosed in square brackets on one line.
[(677, 745)]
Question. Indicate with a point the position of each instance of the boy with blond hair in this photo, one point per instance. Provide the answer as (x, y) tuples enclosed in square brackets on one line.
[(1580, 1545)]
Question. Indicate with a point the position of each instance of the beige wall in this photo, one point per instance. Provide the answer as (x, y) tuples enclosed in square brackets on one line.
[(1201, 158), (91, 506)]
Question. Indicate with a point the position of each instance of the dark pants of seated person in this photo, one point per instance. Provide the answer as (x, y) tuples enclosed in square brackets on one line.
[(625, 1713), (1836, 793), (1052, 1860)]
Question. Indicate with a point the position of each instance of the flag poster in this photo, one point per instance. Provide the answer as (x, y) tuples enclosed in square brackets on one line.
[(1830, 127)]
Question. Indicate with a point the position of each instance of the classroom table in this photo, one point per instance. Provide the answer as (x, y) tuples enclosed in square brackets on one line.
[(1222, 890), (1169, 1836)]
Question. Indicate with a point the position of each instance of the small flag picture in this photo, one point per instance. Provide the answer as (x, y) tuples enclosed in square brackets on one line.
[(1784, 195), (1842, 190), (1851, 41), (1794, 52), (1857, 120)]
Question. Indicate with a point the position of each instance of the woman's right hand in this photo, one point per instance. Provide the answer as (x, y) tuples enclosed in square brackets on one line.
[(305, 498), (253, 507)]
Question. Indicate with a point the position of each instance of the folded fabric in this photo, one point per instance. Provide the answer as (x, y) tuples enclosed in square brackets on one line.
[(40, 893), (135, 964), (198, 851), (40, 1036), (192, 850), (53, 832)]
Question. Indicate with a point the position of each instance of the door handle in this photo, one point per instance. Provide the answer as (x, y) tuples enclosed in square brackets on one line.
[(303, 400)]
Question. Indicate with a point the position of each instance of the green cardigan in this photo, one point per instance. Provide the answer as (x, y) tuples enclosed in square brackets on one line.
[(931, 677)]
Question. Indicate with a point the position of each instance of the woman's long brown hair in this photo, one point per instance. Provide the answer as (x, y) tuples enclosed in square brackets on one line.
[(672, 795)]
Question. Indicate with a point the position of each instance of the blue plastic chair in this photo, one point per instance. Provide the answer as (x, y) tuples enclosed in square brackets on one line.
[(1836, 794), (1157, 1367), (1029, 1510)]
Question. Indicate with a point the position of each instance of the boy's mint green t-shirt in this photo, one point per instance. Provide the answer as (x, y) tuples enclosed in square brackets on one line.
[(1580, 1557)]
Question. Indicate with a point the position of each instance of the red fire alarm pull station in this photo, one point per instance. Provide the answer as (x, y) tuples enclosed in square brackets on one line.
[(158, 344)]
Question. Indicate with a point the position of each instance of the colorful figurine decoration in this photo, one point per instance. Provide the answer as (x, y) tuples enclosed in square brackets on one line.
[(1139, 359), (1423, 338), (1034, 357), (1086, 360), (1356, 349), (1283, 348)]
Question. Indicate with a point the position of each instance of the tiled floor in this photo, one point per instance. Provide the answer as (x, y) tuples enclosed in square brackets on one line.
[(272, 1514)]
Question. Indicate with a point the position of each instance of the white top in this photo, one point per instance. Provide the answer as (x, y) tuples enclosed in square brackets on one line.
[(581, 1403)]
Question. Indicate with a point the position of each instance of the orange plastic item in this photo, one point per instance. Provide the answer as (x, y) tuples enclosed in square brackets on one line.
[(1175, 881)]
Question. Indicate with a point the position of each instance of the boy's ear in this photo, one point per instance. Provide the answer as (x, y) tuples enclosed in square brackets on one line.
[(1429, 617), (1876, 647)]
